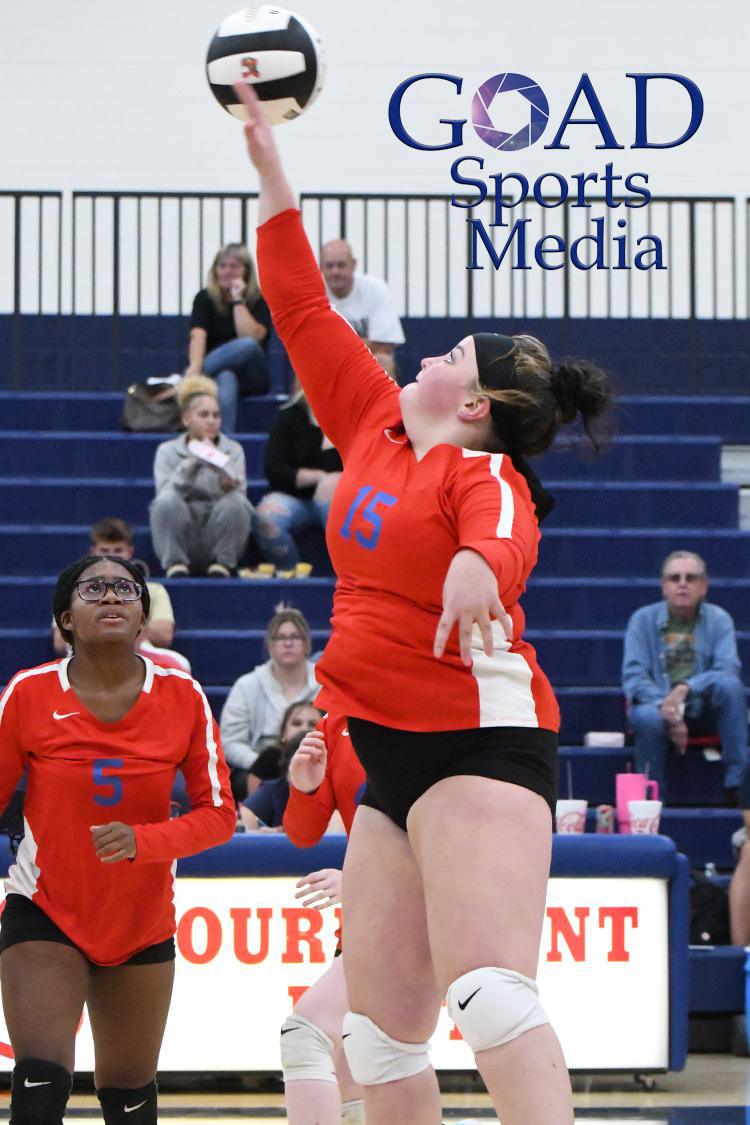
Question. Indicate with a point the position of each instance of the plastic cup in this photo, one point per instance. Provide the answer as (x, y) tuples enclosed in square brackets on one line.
[(570, 816), (644, 817)]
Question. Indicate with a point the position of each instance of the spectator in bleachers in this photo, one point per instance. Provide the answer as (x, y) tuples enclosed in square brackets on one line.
[(303, 470), (200, 517), (298, 719), (365, 301), (681, 674), (739, 888), (114, 537), (229, 331), (251, 717)]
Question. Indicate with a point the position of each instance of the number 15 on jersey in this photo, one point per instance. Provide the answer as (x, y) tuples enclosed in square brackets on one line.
[(367, 502)]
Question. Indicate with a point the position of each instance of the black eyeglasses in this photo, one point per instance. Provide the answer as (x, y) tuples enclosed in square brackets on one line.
[(684, 577), (94, 589)]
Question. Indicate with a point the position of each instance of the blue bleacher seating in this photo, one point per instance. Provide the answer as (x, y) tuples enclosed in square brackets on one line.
[(64, 462)]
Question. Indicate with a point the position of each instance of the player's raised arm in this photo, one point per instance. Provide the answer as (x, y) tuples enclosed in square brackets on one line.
[(276, 194), (342, 380)]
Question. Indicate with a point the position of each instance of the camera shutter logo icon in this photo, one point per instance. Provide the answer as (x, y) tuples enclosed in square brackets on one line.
[(527, 105)]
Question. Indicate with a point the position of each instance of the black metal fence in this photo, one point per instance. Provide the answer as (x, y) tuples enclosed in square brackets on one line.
[(109, 254)]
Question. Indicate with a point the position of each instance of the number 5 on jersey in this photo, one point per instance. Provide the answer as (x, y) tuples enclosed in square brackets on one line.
[(370, 516), (109, 785)]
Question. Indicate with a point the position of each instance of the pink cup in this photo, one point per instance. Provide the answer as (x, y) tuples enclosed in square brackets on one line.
[(632, 787)]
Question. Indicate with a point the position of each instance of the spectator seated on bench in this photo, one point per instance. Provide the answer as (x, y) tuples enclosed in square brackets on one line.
[(681, 675)]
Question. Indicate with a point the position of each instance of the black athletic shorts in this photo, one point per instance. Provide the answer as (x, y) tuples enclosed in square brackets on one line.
[(23, 920), (401, 765)]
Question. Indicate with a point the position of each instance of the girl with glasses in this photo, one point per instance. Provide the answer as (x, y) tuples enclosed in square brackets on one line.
[(89, 917), (255, 706)]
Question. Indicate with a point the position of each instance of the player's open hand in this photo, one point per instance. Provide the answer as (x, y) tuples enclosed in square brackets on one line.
[(261, 144), (320, 889), (113, 842), (470, 598), (307, 768)]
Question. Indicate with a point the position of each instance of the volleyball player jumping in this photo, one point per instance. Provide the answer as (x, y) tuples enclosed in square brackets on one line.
[(433, 532)]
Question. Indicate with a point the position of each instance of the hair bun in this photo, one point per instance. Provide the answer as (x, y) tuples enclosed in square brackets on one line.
[(583, 388), (566, 387)]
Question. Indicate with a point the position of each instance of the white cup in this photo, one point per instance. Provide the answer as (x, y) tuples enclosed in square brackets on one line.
[(570, 816), (644, 817)]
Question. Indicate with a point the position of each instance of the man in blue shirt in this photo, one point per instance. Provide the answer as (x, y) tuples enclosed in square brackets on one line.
[(681, 673)]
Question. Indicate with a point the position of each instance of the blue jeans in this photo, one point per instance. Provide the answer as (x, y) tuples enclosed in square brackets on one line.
[(240, 368), (278, 518), (722, 708)]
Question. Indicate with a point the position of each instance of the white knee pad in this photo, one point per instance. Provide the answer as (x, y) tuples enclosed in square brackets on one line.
[(492, 1006), (374, 1057), (353, 1113), (305, 1051)]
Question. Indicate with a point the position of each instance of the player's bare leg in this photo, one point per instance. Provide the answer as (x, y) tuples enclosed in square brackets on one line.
[(43, 987), (316, 1102), (388, 969), (485, 890), (128, 1007)]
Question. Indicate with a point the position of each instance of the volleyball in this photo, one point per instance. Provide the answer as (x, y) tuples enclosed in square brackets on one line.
[(276, 52)]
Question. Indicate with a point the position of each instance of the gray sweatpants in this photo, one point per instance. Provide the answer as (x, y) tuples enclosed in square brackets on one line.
[(199, 532)]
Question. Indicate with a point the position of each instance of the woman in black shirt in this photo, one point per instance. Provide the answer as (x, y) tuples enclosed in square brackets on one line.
[(303, 469), (229, 330)]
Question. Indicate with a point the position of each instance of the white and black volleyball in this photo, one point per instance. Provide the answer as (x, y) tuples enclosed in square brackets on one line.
[(273, 50)]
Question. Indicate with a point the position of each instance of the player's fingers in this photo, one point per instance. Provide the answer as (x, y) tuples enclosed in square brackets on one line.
[(249, 99), (116, 857), (443, 631), (485, 628), (465, 628), (499, 611)]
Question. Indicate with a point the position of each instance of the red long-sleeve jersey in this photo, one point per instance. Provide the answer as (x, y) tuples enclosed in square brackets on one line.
[(307, 814), (83, 772), (394, 526)]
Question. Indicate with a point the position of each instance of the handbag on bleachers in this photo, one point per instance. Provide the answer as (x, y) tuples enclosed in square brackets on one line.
[(151, 408), (709, 912)]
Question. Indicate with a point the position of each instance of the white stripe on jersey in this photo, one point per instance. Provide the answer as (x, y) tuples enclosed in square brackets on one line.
[(211, 748), (503, 682), (23, 876), (42, 670), (507, 504)]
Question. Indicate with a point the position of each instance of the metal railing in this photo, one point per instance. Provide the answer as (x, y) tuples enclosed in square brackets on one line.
[(118, 254), (421, 246)]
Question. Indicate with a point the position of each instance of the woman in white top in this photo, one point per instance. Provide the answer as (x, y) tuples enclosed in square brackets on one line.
[(200, 517), (251, 717)]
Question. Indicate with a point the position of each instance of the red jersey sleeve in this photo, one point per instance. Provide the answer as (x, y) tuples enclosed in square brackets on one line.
[(342, 381), (212, 816), (12, 754), (307, 815), (496, 519)]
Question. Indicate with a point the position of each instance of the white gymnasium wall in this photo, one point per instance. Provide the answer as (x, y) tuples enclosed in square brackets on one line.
[(112, 95)]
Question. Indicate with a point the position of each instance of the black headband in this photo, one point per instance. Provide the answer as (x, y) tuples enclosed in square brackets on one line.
[(496, 360)]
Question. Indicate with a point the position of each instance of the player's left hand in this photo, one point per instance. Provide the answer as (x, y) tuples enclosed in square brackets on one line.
[(113, 842), (320, 889), (470, 598)]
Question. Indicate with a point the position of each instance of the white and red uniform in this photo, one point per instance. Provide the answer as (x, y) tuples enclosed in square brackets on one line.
[(84, 772), (395, 525)]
